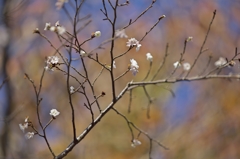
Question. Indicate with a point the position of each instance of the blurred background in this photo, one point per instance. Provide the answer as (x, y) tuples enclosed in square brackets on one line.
[(200, 120)]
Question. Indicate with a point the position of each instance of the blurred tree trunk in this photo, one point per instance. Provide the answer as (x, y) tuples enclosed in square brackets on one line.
[(8, 105)]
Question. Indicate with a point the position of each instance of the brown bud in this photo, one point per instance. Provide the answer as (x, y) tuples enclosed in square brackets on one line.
[(36, 31)]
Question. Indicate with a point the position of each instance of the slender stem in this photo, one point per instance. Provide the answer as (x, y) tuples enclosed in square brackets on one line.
[(204, 41)]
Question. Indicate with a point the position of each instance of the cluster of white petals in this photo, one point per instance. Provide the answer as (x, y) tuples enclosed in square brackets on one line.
[(135, 143), (23, 126), (114, 65), (134, 67), (29, 135), (121, 33), (133, 42), (57, 28), (149, 57), (189, 38), (47, 26), (72, 89), (220, 62), (54, 113), (83, 53), (97, 34), (51, 62), (176, 64), (186, 65)]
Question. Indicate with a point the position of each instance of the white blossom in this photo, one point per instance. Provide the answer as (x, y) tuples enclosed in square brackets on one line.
[(121, 33), (47, 26), (57, 23), (232, 63), (54, 59), (57, 28), (134, 66), (51, 62), (72, 89), (97, 33), (83, 53), (114, 65), (149, 57), (26, 119), (186, 66), (61, 30), (220, 62), (29, 135), (133, 42), (52, 28), (47, 68), (23, 126), (177, 64), (189, 38), (54, 113), (138, 47), (135, 143)]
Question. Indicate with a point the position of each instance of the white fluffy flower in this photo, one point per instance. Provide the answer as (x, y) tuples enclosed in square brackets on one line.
[(52, 28), (54, 113), (135, 143), (134, 67), (149, 57), (53, 59), (97, 33), (47, 26), (138, 47), (121, 33), (186, 66), (51, 62), (189, 38), (177, 64), (82, 53), (220, 62), (23, 126), (133, 42), (61, 30), (57, 23), (72, 89), (29, 135), (26, 119), (114, 65), (57, 28)]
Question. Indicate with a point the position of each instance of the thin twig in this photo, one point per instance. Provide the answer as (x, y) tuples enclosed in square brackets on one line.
[(140, 131), (149, 70), (204, 41), (140, 15), (181, 58), (38, 101), (162, 63), (159, 19), (130, 101), (121, 75), (98, 76), (208, 63), (149, 102), (3, 82)]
